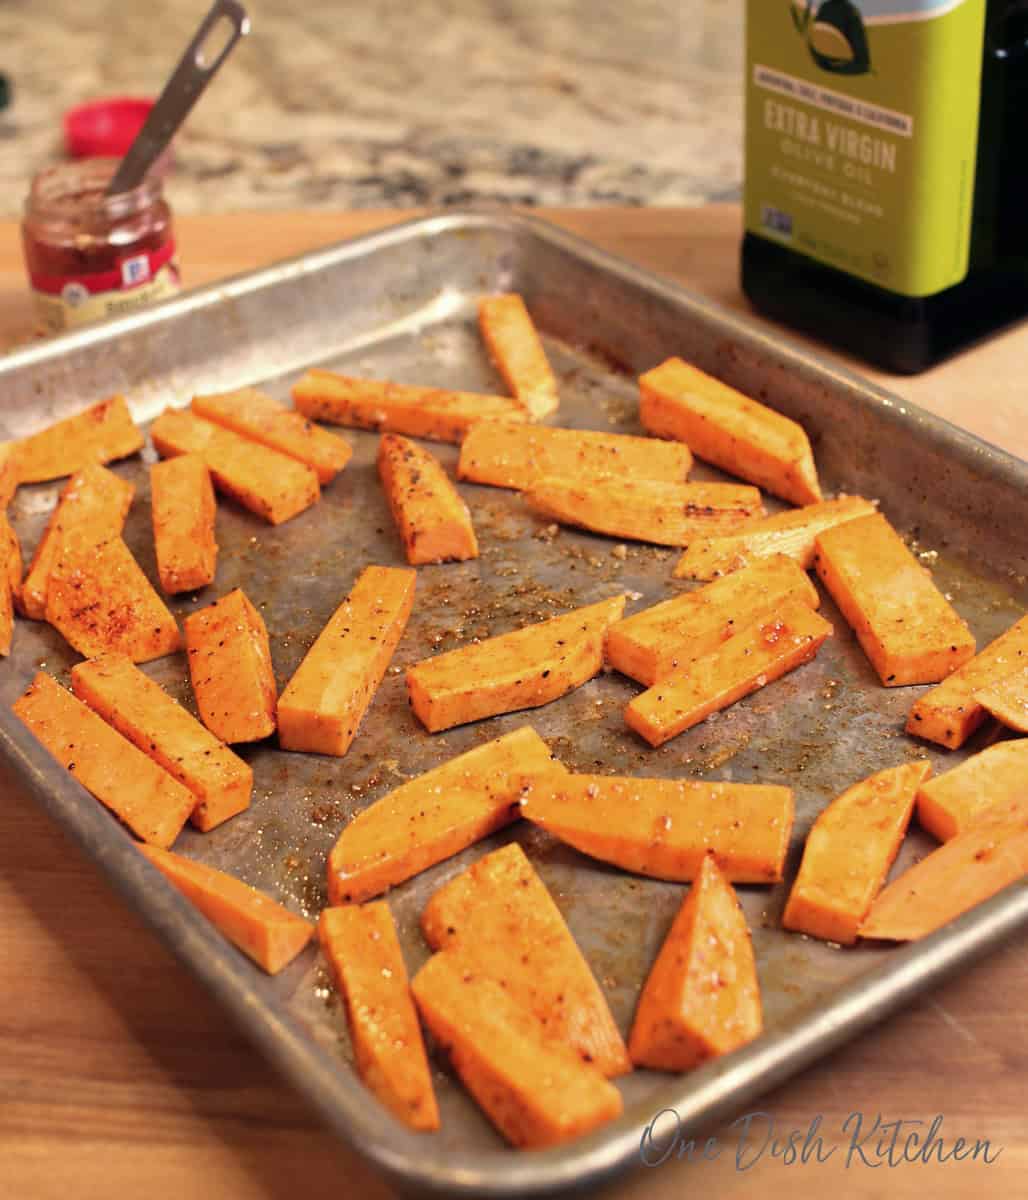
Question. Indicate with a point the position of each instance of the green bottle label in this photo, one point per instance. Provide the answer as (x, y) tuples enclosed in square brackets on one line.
[(861, 134)]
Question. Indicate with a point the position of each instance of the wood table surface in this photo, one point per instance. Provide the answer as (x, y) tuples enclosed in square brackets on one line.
[(119, 1077)]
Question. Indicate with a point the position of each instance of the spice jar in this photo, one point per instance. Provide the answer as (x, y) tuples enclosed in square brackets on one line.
[(89, 255)]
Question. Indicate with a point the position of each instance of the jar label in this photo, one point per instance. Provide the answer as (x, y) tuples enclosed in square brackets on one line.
[(66, 301), (862, 134)]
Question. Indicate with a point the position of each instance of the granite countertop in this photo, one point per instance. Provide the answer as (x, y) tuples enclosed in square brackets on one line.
[(403, 102)]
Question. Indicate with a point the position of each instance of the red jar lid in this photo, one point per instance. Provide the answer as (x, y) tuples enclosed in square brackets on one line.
[(104, 128)]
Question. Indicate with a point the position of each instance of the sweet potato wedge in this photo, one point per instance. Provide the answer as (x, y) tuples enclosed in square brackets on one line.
[(949, 713), (499, 920), (94, 503), (523, 669), (182, 504), (728, 429), (364, 954), (101, 602), (792, 533), (1007, 699), (10, 581), (953, 802), (663, 827), (8, 472), (139, 792), (436, 815), (272, 485), (518, 456), (327, 697), (667, 514), (433, 520), (967, 870), (6, 613), (702, 997), (230, 669), (759, 654), (906, 627), (266, 932), (656, 642), (100, 434), (425, 412), (254, 415), (142, 711), (536, 1093), (515, 348), (849, 851)]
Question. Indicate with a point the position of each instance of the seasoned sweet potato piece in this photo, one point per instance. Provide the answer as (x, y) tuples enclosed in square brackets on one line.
[(728, 429), (1007, 699), (953, 802), (100, 434), (515, 348), (523, 669), (8, 472), (364, 953), (182, 503), (139, 792), (433, 520), (10, 581), (702, 997)]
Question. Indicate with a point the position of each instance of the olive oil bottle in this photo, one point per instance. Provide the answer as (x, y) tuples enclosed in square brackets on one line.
[(886, 196)]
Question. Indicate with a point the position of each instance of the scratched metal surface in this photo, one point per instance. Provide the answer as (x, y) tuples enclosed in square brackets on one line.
[(401, 305)]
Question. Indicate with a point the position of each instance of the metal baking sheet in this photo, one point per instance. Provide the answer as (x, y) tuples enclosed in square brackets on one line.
[(401, 304)]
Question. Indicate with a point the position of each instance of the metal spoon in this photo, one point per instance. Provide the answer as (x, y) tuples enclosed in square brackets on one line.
[(193, 73)]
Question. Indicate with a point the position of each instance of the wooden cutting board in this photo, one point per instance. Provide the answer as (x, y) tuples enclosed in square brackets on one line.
[(120, 1077)]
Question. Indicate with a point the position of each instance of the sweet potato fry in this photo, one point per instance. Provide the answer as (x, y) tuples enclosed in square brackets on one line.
[(518, 456), (327, 697), (536, 1093), (425, 412), (265, 931), (142, 795), (8, 472), (98, 435), (701, 998), (182, 503), (1007, 699), (949, 713), (6, 612), (258, 417), (102, 603), (967, 870), (230, 669), (792, 533), (515, 348), (10, 581), (664, 827), (436, 815), (143, 712), (433, 520), (498, 919), (952, 803), (364, 953), (728, 429), (849, 851), (656, 642), (668, 514), (523, 669), (765, 651), (272, 485), (906, 627), (94, 503)]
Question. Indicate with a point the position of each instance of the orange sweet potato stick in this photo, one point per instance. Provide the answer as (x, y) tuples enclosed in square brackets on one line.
[(536, 1093), (230, 669), (433, 520), (425, 412), (272, 485), (142, 795), (500, 921), (327, 697), (953, 802), (523, 669), (100, 434), (436, 815), (663, 827), (849, 851), (364, 954), (8, 472), (256, 416), (515, 348), (182, 503), (702, 997), (10, 581), (758, 655), (1007, 699), (265, 931)]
